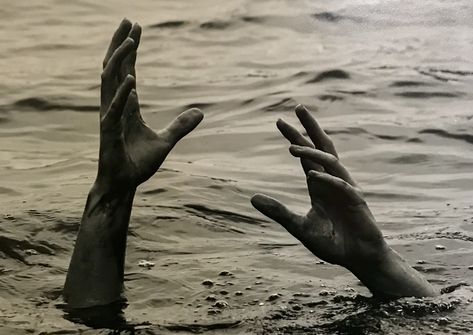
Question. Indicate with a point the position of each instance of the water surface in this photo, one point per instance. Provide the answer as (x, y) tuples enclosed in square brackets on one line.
[(391, 81)]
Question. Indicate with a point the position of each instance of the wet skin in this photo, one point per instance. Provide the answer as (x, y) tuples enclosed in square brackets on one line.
[(339, 228), (130, 153)]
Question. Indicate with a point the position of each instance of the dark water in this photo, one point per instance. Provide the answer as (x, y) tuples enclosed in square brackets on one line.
[(391, 81)]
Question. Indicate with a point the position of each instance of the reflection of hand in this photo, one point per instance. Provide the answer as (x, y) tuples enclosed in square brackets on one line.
[(130, 151), (339, 228)]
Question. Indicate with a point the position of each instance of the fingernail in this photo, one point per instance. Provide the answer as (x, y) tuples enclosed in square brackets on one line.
[(313, 174)]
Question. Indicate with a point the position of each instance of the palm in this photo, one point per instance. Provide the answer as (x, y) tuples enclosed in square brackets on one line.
[(339, 228), (130, 151), (146, 151), (341, 234)]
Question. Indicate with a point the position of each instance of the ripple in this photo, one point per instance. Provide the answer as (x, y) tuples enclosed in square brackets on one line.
[(408, 83), (328, 16), (329, 75), (169, 24), (216, 25), (43, 104), (285, 104), (253, 19), (427, 95), (330, 97), (224, 215), (445, 134), (197, 328)]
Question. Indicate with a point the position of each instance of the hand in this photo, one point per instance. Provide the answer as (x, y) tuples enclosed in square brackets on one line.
[(339, 228), (130, 151)]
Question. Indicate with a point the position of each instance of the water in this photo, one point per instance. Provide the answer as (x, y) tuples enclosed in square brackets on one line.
[(391, 81)]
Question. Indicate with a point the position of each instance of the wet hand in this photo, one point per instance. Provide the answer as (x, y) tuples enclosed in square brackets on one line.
[(130, 151), (339, 228)]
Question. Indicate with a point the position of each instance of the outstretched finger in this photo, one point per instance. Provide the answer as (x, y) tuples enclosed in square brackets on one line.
[(315, 132), (118, 37), (329, 189), (116, 59), (292, 134), (128, 64), (115, 111), (295, 137), (278, 212), (131, 113), (182, 125), (329, 162)]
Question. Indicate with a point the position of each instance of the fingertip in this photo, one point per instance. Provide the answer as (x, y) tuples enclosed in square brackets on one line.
[(137, 27), (125, 21), (135, 34), (313, 174), (129, 79), (258, 197), (280, 123), (196, 112), (300, 108), (295, 149), (302, 111), (193, 116), (263, 203)]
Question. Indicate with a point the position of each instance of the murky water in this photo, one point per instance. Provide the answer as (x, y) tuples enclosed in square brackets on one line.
[(391, 81)]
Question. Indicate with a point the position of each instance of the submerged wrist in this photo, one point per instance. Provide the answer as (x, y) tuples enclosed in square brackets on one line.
[(390, 276)]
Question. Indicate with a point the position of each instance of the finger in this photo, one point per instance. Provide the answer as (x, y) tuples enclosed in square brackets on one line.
[(295, 137), (116, 59), (292, 134), (118, 37), (315, 132), (329, 162), (329, 189), (183, 125), (117, 106), (135, 34), (128, 65), (131, 112), (278, 212)]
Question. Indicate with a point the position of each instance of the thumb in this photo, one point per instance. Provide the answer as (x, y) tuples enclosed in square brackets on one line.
[(183, 125), (278, 212)]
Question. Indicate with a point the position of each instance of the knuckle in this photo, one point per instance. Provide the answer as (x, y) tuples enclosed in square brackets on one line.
[(332, 160), (345, 186)]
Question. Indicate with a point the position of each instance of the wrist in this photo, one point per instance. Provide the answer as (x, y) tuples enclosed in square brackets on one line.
[(108, 203), (390, 276), (109, 189)]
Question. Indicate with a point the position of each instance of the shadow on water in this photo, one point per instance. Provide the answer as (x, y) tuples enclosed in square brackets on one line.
[(108, 316)]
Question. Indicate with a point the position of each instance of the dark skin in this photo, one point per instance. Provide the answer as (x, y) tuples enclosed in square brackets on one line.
[(339, 227), (130, 153)]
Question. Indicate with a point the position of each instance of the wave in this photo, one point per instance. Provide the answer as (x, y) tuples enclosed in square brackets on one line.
[(44, 104)]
